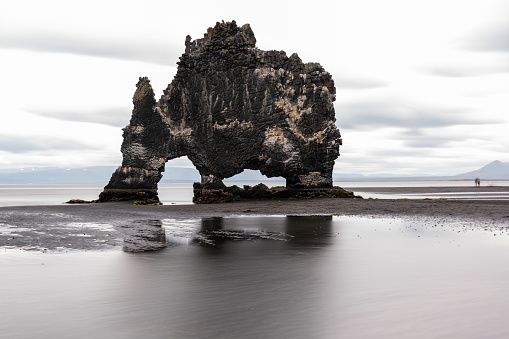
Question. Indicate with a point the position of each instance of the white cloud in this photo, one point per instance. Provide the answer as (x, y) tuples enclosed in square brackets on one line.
[(422, 85), (76, 87), (42, 141), (100, 46)]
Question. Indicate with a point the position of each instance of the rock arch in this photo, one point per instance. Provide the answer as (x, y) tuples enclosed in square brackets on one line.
[(231, 107)]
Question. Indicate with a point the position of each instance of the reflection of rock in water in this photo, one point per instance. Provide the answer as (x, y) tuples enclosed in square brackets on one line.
[(143, 235), (152, 235), (213, 232), (309, 231)]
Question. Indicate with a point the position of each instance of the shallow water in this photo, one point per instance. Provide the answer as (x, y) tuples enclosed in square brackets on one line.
[(30, 195), (272, 277), (473, 195), (182, 193)]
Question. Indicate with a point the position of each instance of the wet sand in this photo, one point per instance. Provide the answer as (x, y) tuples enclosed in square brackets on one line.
[(436, 189), (99, 226), (490, 210)]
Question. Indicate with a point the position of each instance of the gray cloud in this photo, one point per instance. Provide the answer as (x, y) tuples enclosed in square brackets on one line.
[(139, 50), (388, 154), (390, 114), (468, 70), (415, 138), (426, 142), (492, 39), (115, 116), (454, 71), (19, 145), (358, 83)]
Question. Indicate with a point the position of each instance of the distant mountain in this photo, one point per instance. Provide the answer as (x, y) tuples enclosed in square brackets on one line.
[(102, 174), (85, 175), (180, 174), (493, 170), (251, 175)]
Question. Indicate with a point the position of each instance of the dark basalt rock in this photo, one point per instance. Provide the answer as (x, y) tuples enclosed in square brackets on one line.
[(203, 194), (79, 201), (232, 107)]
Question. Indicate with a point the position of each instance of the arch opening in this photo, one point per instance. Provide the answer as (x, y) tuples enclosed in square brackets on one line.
[(250, 177), (176, 184)]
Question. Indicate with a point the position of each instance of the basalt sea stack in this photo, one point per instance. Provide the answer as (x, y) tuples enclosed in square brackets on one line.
[(230, 107)]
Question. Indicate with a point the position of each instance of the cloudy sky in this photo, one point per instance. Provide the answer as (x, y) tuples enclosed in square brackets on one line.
[(423, 85)]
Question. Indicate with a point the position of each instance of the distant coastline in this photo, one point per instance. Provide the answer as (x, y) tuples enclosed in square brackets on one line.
[(495, 170)]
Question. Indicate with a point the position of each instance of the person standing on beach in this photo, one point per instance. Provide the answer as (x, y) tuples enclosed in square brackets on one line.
[(479, 182)]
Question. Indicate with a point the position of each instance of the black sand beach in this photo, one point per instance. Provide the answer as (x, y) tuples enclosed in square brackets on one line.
[(69, 226), (468, 209)]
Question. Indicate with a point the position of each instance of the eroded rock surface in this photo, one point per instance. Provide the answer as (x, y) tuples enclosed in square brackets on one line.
[(230, 107), (207, 195)]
